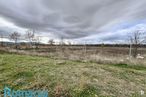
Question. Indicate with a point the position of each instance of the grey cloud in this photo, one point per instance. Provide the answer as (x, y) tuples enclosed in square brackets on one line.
[(71, 18), (114, 37), (5, 31)]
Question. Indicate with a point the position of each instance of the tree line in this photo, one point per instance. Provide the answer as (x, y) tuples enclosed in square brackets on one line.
[(135, 40)]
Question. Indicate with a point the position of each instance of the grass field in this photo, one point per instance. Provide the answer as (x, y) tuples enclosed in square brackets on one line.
[(64, 78)]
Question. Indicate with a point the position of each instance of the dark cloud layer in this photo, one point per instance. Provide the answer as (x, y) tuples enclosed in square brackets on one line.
[(4, 31), (71, 18)]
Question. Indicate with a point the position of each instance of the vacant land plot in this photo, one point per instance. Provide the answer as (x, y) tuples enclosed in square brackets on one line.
[(64, 78)]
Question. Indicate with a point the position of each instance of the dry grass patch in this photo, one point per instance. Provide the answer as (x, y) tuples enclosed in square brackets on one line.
[(72, 78)]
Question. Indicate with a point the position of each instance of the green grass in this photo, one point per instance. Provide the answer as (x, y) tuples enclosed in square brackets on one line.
[(71, 78), (137, 67)]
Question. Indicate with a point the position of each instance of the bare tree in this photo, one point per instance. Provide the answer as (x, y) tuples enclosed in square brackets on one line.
[(30, 36), (51, 42), (62, 43), (37, 41), (15, 36), (136, 38)]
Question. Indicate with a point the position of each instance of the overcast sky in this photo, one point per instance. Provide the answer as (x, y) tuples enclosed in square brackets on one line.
[(77, 20)]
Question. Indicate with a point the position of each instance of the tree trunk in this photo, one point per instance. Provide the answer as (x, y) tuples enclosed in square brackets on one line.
[(135, 51)]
